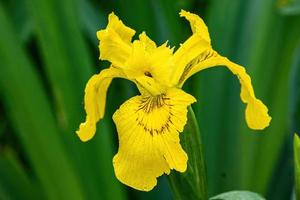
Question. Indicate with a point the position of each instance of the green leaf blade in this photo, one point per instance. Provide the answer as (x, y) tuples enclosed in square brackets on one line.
[(238, 195)]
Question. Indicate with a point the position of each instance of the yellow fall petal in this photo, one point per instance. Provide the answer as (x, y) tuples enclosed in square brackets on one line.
[(204, 56), (94, 101), (115, 41), (148, 129), (256, 112)]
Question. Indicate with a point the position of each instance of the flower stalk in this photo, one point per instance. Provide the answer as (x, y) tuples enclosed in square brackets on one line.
[(193, 183), (297, 165)]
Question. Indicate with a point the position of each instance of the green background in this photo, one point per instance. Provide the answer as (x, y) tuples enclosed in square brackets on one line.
[(49, 49)]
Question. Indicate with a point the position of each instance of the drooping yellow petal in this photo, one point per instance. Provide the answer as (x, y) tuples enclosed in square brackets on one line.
[(195, 55), (197, 24), (148, 129), (94, 101), (115, 41), (256, 113)]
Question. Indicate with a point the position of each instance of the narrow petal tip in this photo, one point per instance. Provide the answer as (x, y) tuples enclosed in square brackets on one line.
[(182, 13), (86, 131)]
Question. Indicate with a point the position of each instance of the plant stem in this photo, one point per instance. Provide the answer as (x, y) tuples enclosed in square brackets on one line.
[(191, 184)]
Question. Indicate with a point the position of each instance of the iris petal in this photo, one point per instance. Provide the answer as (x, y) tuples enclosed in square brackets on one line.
[(95, 100), (200, 55), (148, 129), (197, 24), (256, 113), (115, 41)]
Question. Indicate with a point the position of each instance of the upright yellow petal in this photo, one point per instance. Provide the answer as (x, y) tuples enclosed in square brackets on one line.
[(149, 45), (197, 24), (148, 129), (187, 52), (198, 43), (149, 60), (256, 112), (194, 46), (125, 33), (115, 41), (94, 101)]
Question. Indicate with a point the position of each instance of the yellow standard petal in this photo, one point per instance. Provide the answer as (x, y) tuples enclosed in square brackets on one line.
[(115, 41), (149, 60), (148, 129), (94, 101), (189, 50), (195, 45), (197, 24)]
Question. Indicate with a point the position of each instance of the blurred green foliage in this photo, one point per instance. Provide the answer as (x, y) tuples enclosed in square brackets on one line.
[(48, 50)]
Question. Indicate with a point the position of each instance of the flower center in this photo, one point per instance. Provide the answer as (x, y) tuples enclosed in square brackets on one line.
[(148, 104), (157, 112), (148, 74)]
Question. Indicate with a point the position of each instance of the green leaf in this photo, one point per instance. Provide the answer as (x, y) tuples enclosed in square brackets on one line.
[(20, 19), (297, 164), (91, 19), (68, 66), (191, 184), (225, 129), (31, 117), (2, 126), (295, 116), (238, 195), (217, 91), (295, 92), (269, 149), (289, 7), (14, 182)]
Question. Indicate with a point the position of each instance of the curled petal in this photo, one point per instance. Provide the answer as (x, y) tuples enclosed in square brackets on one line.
[(197, 24), (95, 100), (148, 60), (124, 32), (256, 113), (148, 129), (149, 45), (187, 52), (115, 41), (194, 46)]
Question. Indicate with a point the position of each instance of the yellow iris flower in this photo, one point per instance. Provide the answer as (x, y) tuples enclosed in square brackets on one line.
[(149, 124)]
